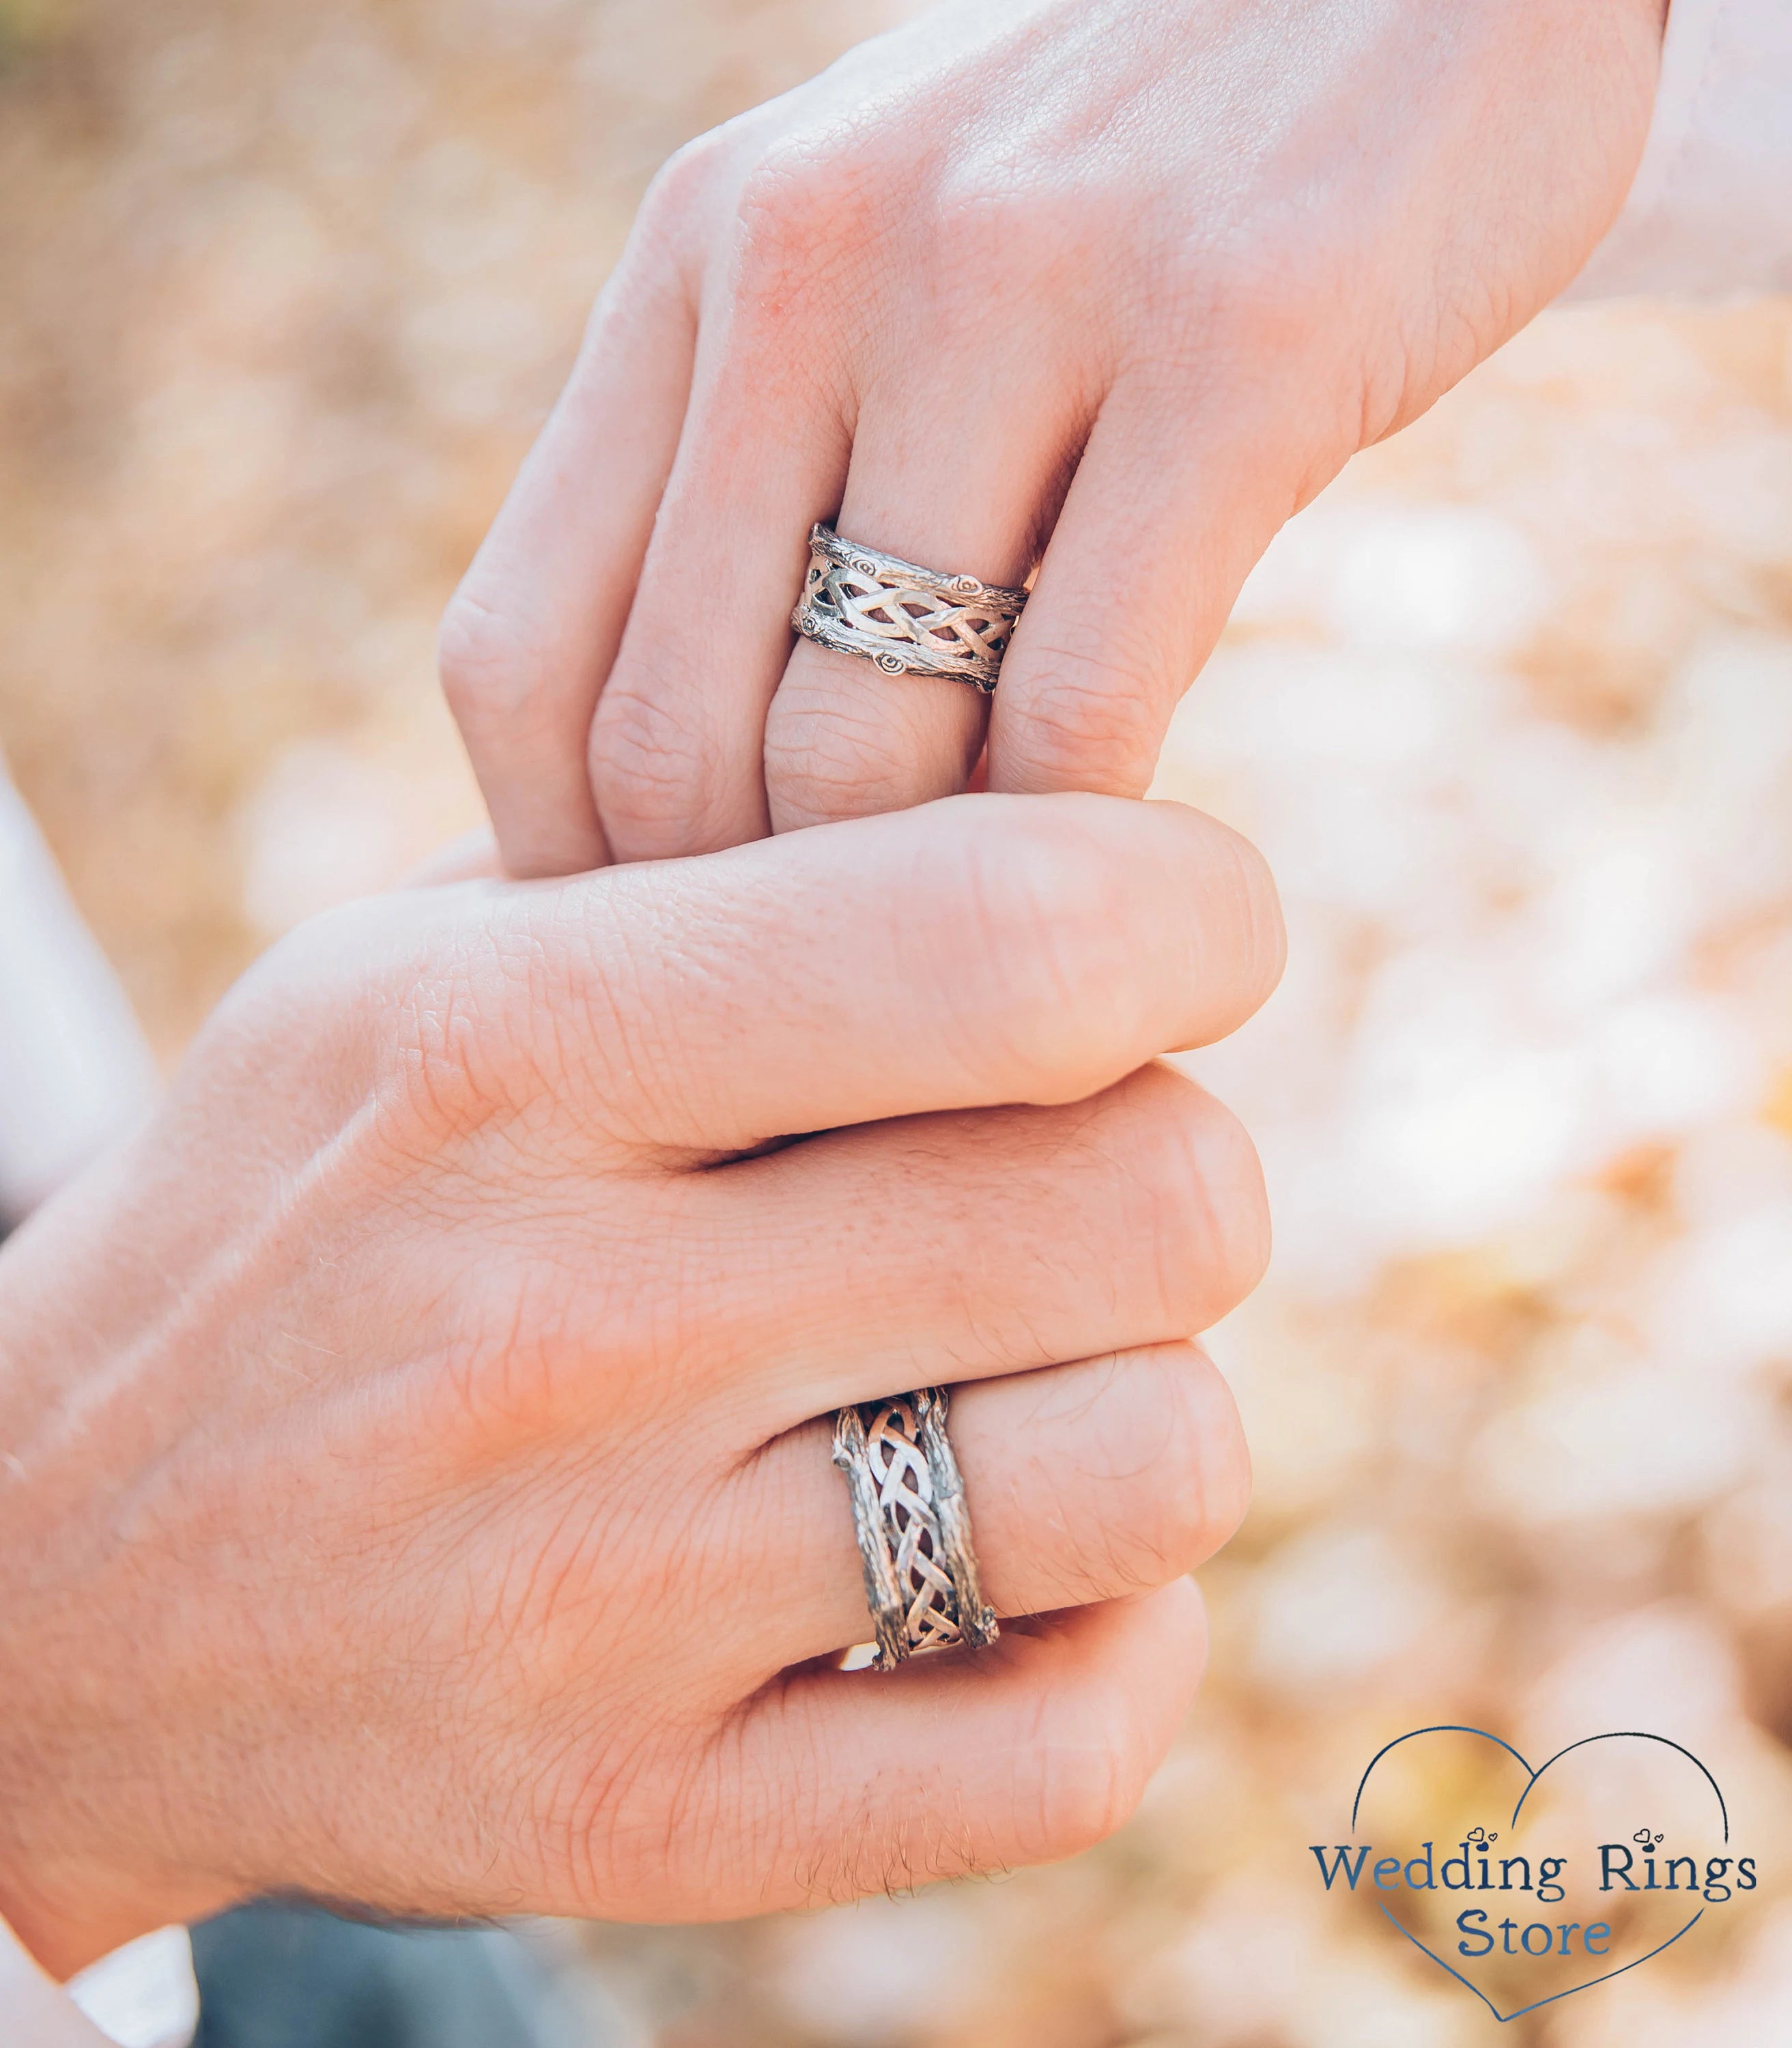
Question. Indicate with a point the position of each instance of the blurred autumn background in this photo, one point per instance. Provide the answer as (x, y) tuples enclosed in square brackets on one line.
[(287, 291)]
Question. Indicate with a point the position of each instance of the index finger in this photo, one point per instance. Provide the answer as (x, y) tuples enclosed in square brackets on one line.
[(978, 950)]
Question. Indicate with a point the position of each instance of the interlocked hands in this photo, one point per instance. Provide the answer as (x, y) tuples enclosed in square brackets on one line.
[(413, 1478), (416, 1485)]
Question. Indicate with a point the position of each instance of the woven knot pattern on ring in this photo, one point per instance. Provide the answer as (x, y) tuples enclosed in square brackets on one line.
[(903, 616), (906, 1498)]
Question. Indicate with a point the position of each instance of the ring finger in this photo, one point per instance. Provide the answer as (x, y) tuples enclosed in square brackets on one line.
[(1086, 1482), (951, 482)]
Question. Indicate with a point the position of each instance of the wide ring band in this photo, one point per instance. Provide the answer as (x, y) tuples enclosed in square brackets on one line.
[(913, 1527), (858, 600)]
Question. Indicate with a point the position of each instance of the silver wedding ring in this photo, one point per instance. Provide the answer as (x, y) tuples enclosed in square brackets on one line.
[(913, 1525), (858, 600)]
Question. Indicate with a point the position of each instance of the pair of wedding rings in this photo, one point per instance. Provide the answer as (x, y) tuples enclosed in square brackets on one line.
[(908, 1509)]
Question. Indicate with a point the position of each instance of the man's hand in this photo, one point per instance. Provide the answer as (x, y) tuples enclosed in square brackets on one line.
[(1132, 277), (414, 1475)]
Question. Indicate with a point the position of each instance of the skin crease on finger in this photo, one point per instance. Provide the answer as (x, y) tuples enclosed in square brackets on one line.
[(377, 1516), (1212, 249)]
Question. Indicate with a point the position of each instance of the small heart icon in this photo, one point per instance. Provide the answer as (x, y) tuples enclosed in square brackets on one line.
[(1576, 1894)]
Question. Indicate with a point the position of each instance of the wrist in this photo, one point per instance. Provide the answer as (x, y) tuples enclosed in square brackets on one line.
[(66, 1915), (87, 1785), (67, 1891)]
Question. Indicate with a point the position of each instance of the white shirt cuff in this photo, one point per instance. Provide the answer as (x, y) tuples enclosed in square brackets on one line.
[(1710, 213), (142, 1995)]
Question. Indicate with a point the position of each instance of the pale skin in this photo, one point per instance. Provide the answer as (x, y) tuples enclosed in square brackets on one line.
[(1102, 289), (416, 1483)]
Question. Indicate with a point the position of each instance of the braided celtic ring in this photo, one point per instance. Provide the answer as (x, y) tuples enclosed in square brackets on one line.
[(913, 1525), (859, 601)]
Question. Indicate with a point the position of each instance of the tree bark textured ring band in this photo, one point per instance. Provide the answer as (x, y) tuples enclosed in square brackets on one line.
[(913, 1525), (858, 600)]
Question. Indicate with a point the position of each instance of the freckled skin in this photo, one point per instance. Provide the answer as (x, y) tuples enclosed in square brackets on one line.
[(1106, 287), (416, 1486)]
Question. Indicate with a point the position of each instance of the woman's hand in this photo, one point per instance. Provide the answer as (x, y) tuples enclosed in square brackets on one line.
[(415, 1475), (1132, 277)]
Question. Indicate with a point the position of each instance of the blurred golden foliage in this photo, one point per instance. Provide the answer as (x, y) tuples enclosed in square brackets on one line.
[(288, 293), (1509, 708)]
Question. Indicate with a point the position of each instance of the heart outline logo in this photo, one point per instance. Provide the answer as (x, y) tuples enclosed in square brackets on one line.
[(1531, 1777)]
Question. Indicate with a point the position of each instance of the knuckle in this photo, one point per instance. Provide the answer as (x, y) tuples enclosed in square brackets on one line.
[(372, 1013), (532, 1029), (1048, 911), (1182, 1458), (835, 760), (535, 1010), (807, 217), (1243, 926), (307, 1020), (700, 216), (1211, 1227), (1094, 698), (990, 226), (685, 186), (1069, 984), (647, 764), (468, 1053), (496, 670), (1092, 1764)]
